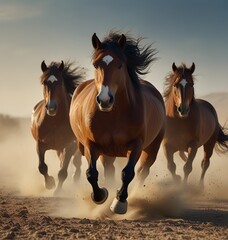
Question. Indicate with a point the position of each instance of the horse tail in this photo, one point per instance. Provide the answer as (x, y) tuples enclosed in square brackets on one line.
[(222, 142)]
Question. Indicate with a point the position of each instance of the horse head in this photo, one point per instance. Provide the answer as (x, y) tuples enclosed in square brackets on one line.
[(53, 84), (110, 69), (183, 88)]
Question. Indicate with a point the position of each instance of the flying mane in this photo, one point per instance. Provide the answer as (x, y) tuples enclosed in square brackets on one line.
[(137, 57)]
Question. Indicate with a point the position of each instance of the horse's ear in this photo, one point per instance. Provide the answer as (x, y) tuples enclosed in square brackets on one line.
[(43, 66), (95, 41), (122, 41), (61, 66), (174, 67), (192, 68)]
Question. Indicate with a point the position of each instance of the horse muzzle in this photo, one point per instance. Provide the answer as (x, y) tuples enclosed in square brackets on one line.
[(105, 105), (51, 108), (183, 110)]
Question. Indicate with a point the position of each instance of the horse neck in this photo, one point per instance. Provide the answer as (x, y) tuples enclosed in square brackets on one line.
[(129, 92)]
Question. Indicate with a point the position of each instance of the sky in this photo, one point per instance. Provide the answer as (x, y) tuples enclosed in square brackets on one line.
[(53, 30)]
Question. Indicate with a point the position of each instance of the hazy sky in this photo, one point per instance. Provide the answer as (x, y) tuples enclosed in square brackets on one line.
[(55, 30)]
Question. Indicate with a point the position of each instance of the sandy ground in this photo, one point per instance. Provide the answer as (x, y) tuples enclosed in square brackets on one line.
[(158, 210)]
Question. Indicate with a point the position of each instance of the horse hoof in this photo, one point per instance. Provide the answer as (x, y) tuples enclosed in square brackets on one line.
[(118, 206), (50, 183), (177, 178), (101, 197)]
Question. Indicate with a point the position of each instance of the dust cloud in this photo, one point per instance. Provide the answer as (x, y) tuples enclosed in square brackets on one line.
[(158, 197)]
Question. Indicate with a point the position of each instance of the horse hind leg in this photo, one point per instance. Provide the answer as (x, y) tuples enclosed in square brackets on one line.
[(77, 161), (43, 168), (148, 158), (109, 169), (183, 156), (208, 151)]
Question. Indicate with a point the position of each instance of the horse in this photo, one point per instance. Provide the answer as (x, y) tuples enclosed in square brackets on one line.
[(191, 123), (117, 114), (50, 124)]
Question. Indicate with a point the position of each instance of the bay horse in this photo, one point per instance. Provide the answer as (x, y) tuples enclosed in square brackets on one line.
[(117, 114), (191, 123), (50, 124)]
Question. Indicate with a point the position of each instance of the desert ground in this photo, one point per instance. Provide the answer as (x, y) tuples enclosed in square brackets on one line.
[(158, 210)]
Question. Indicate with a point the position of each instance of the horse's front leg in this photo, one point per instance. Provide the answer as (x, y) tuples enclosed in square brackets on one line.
[(192, 150), (119, 204), (99, 195), (169, 151), (43, 168)]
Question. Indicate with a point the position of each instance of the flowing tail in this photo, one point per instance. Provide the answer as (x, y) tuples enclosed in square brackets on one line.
[(222, 142)]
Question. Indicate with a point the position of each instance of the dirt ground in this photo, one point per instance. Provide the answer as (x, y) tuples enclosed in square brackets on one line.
[(23, 217)]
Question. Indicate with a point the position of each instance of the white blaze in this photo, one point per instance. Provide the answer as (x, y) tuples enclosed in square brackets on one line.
[(52, 79), (103, 94), (183, 82), (107, 59)]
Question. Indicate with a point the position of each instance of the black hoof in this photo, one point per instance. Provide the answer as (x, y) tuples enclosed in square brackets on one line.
[(101, 196)]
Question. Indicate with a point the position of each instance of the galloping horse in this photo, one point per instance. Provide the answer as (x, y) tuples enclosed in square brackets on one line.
[(117, 114), (191, 123), (50, 124)]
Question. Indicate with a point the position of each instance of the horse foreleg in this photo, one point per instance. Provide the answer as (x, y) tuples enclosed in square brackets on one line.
[(43, 168), (66, 155), (109, 169), (168, 151), (99, 195), (192, 150), (119, 204), (77, 161)]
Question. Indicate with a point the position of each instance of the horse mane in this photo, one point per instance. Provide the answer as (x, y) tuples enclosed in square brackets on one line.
[(169, 81), (72, 76), (138, 58)]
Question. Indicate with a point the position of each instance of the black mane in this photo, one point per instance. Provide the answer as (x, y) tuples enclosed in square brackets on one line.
[(72, 76), (170, 79)]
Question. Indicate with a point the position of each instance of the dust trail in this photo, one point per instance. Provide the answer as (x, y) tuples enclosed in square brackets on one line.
[(158, 198)]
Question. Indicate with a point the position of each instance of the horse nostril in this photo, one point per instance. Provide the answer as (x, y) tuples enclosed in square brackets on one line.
[(179, 109), (111, 100), (98, 100)]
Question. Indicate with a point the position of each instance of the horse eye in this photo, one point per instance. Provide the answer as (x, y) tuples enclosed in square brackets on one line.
[(95, 65)]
